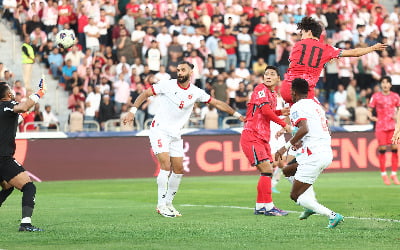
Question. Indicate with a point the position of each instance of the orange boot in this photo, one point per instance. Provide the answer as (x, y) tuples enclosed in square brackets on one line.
[(386, 179), (394, 179)]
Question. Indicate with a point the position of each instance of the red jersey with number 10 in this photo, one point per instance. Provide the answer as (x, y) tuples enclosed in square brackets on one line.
[(308, 58)]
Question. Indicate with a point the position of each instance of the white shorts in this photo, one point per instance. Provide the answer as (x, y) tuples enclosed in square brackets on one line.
[(161, 142), (311, 166)]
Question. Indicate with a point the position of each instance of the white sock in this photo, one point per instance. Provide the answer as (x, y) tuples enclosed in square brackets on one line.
[(308, 200), (259, 206), (383, 173), (162, 182), (394, 173), (276, 176), (26, 220), (269, 206), (173, 186)]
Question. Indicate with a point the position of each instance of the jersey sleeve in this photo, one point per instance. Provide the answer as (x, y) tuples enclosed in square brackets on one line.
[(203, 96), (160, 87), (296, 115), (259, 96), (372, 102), (333, 52)]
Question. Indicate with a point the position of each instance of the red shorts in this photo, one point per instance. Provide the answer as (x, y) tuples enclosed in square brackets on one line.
[(384, 137), (255, 149), (286, 92)]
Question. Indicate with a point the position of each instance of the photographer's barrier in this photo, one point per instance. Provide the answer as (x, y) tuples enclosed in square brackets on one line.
[(124, 155)]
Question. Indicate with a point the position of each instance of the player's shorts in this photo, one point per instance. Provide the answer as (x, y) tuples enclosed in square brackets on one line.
[(286, 92), (9, 168), (161, 142), (311, 165), (255, 149), (384, 137)]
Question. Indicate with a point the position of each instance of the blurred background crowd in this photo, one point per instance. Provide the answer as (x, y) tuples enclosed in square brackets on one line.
[(124, 46)]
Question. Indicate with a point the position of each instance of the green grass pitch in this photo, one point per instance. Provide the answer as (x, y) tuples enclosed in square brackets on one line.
[(217, 214)]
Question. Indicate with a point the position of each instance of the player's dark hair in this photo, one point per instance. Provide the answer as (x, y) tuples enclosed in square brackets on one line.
[(388, 78), (308, 23), (273, 68), (187, 63), (300, 86), (3, 90)]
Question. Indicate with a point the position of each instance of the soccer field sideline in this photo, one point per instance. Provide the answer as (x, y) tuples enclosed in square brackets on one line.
[(297, 212)]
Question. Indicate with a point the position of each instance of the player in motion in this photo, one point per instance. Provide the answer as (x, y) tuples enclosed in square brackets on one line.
[(314, 154), (255, 138), (385, 103), (12, 174), (309, 56), (177, 98)]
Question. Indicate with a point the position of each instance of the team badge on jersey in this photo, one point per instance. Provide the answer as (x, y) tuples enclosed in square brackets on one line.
[(295, 115), (190, 97), (261, 93)]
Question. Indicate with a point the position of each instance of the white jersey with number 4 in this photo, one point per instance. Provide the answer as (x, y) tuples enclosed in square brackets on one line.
[(175, 105), (318, 137)]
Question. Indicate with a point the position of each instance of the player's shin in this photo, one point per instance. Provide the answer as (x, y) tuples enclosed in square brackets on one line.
[(28, 202), (173, 186), (382, 160), (162, 182), (4, 194), (308, 200), (264, 192), (395, 160)]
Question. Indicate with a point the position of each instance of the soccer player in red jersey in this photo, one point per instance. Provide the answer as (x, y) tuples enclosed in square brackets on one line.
[(309, 56), (386, 104), (261, 110)]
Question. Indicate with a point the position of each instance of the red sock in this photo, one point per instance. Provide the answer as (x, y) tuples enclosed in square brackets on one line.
[(264, 190), (395, 161), (382, 161)]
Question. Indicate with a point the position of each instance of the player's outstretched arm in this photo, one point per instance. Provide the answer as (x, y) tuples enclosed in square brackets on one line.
[(139, 100), (362, 51), (225, 107), (301, 132), (33, 99)]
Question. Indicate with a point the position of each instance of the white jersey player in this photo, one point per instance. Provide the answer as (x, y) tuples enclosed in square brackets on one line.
[(313, 155), (176, 100)]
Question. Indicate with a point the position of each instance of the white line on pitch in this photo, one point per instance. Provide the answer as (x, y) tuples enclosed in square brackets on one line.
[(297, 212)]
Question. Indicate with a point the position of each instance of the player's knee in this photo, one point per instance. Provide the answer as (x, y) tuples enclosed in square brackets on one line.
[(28, 194), (381, 150), (394, 150), (294, 196)]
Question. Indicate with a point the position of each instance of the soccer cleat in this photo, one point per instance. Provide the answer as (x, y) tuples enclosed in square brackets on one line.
[(164, 211), (306, 213), (174, 211), (394, 179), (276, 212), (335, 221), (260, 211), (29, 228), (386, 179), (276, 191)]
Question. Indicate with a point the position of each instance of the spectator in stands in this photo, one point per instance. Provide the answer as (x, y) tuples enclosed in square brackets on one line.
[(361, 114), (153, 57), (164, 39), (212, 41), (162, 75), (233, 85), (38, 40), (106, 110), (220, 92), (244, 46), (221, 57), (75, 119), (75, 55), (351, 97), (125, 47), (56, 62), (76, 98), (230, 43), (92, 35), (141, 112), (64, 13), (18, 88), (241, 99), (259, 66), (8, 78), (67, 71), (345, 72), (121, 92), (49, 118), (28, 59), (340, 103), (92, 103)]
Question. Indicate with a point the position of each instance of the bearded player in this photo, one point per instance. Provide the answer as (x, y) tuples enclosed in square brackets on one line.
[(177, 98), (309, 56)]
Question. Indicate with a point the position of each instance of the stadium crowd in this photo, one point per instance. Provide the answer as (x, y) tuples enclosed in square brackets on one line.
[(125, 46)]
